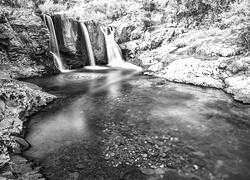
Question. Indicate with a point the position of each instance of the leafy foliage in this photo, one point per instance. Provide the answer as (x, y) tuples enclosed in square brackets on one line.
[(102, 10), (49, 6), (17, 3)]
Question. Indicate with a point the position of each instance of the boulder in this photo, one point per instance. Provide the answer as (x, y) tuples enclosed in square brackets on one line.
[(23, 144), (239, 86)]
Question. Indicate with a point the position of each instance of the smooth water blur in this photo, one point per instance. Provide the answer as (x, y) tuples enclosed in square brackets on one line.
[(114, 52), (207, 119), (54, 44), (88, 45)]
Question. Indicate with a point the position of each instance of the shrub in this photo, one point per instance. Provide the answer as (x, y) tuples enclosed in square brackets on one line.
[(17, 3), (103, 10), (50, 7), (237, 18)]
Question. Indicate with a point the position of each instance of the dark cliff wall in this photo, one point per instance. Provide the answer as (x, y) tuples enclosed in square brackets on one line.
[(72, 44), (98, 42)]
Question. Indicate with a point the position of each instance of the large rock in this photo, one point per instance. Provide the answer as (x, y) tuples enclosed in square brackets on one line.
[(66, 33), (194, 71), (69, 38), (239, 86), (231, 75), (17, 101), (98, 42), (23, 44), (238, 80), (72, 44)]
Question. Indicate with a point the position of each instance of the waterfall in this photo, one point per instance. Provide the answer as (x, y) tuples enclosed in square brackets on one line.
[(53, 44), (88, 44), (114, 51)]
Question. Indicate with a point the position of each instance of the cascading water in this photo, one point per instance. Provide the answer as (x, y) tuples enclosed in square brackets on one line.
[(114, 51), (88, 44), (53, 44)]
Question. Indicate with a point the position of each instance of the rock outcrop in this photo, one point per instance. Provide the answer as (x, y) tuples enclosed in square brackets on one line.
[(24, 41), (229, 74), (23, 44), (18, 100), (210, 58)]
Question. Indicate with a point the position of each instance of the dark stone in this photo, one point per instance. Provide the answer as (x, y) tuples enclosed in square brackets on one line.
[(4, 40), (24, 145), (2, 18)]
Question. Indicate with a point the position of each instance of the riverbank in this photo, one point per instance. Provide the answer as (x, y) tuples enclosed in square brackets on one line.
[(229, 75), (138, 128), (214, 55), (18, 101), (24, 53)]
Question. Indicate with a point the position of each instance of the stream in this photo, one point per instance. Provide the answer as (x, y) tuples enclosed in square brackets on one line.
[(116, 124)]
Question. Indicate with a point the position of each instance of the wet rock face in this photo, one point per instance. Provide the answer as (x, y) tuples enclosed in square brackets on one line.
[(98, 42), (23, 45), (66, 32), (72, 44), (68, 35), (17, 101)]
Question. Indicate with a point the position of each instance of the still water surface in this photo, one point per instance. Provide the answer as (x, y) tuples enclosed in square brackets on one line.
[(72, 137)]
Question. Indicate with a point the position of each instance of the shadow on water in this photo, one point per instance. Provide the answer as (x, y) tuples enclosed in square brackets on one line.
[(113, 125)]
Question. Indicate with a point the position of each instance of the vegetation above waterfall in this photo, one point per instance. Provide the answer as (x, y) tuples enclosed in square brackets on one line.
[(223, 18)]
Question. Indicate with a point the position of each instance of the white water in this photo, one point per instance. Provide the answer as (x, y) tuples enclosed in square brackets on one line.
[(88, 44), (56, 60), (54, 45), (114, 51)]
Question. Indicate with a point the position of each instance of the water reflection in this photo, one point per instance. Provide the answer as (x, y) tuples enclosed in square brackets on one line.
[(62, 127), (206, 119), (114, 89), (69, 123)]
